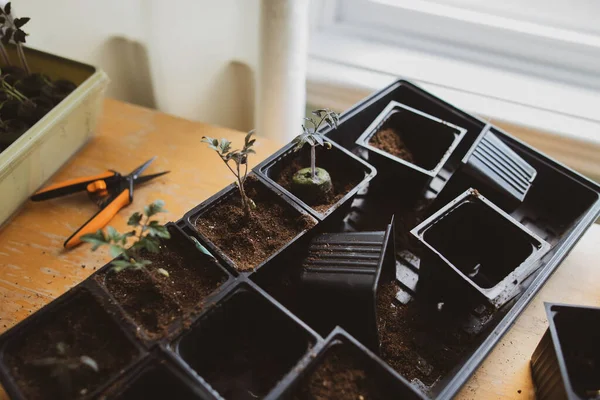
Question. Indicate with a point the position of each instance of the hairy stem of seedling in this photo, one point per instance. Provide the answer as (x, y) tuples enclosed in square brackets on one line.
[(4, 54), (313, 163), (15, 94), (21, 54)]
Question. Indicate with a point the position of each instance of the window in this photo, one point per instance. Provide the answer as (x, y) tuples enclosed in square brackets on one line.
[(531, 62)]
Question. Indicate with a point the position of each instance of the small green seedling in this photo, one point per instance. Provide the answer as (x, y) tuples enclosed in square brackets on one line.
[(12, 92), (313, 185), (240, 161), (10, 30), (147, 234), (63, 365)]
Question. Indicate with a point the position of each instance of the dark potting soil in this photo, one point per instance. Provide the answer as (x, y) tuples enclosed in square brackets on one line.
[(343, 180), (414, 341), (87, 330), (391, 142), (340, 375), (250, 242), (17, 116), (153, 300)]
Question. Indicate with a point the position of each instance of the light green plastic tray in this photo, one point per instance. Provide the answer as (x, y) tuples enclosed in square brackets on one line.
[(46, 146)]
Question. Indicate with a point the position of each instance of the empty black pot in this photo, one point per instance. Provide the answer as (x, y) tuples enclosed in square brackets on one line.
[(476, 251), (566, 362), (495, 170), (340, 279), (245, 345)]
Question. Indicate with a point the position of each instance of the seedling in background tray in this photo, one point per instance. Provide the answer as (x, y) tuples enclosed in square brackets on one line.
[(11, 30), (147, 234), (240, 159), (12, 93), (313, 184), (63, 365)]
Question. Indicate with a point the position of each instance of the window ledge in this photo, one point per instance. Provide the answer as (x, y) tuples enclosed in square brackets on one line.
[(337, 78)]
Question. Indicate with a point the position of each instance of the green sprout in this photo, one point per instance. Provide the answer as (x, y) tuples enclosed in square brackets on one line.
[(147, 234), (10, 30), (314, 185), (240, 162), (313, 137), (13, 93), (63, 365)]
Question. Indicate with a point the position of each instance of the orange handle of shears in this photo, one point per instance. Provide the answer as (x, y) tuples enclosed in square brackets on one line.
[(69, 186), (100, 220)]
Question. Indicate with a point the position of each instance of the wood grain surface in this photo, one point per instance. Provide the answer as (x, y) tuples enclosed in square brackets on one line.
[(34, 268)]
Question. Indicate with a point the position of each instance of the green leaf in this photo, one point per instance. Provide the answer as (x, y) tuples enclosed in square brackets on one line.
[(125, 236), (113, 235), (96, 239), (19, 22), (7, 8), (90, 362), (225, 145), (154, 208), (19, 36), (149, 243), (134, 219), (120, 265), (201, 248), (116, 251), (154, 228), (142, 264), (319, 139)]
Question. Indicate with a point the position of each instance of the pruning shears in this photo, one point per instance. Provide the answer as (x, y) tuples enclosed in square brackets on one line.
[(110, 190)]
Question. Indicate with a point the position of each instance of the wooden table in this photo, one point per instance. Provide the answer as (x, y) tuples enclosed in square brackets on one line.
[(34, 269)]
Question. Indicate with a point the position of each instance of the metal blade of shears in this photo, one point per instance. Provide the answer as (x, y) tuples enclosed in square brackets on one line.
[(138, 171), (146, 178)]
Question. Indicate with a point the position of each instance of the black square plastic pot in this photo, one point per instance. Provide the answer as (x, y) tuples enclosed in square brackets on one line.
[(79, 321), (245, 345), (495, 170), (340, 279), (336, 160), (344, 369), (152, 297), (430, 140), (226, 194), (158, 377), (566, 362), (477, 250)]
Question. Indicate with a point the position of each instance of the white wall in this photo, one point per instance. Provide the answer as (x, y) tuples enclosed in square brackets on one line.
[(193, 58)]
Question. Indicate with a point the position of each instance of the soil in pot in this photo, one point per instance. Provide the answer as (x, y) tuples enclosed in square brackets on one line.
[(153, 300), (43, 94), (391, 142), (417, 341), (344, 177), (341, 375), (243, 347), (249, 242), (86, 329), (414, 138)]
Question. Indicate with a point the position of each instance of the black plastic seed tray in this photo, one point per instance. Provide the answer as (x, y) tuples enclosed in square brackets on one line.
[(212, 331)]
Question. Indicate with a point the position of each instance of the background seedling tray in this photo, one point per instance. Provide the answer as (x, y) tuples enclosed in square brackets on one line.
[(559, 207)]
